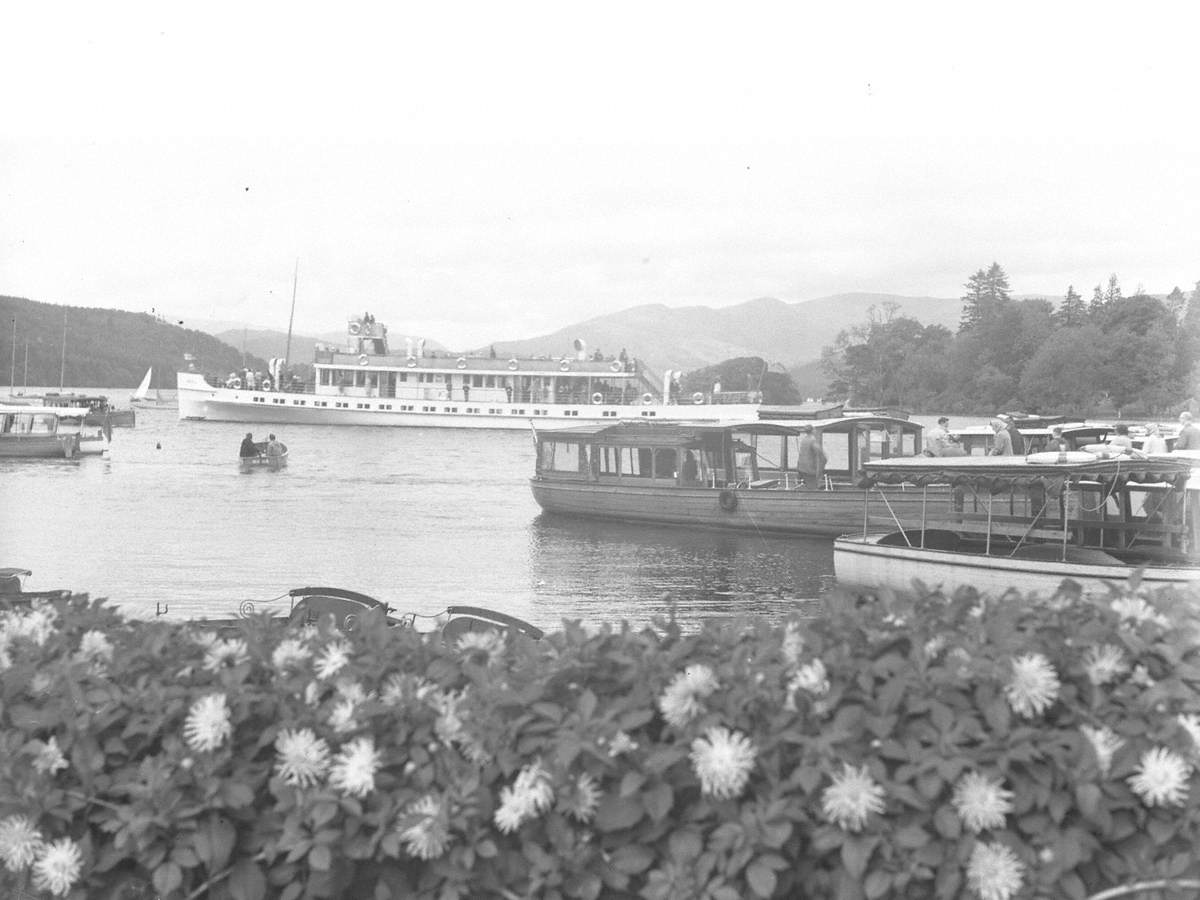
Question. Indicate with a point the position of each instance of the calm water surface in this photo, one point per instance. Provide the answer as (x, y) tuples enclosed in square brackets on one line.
[(420, 518)]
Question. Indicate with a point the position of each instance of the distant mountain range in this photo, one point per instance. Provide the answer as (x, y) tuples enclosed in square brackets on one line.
[(111, 347)]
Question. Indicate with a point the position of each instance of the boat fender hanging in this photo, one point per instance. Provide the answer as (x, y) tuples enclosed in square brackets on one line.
[(597, 398), (462, 362), (363, 359), (647, 398), (512, 364), (697, 398), (565, 365), (355, 328), (615, 365), (236, 384), (266, 384), (728, 500)]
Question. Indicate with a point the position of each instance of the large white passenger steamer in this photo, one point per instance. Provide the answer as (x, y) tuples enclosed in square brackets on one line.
[(365, 383)]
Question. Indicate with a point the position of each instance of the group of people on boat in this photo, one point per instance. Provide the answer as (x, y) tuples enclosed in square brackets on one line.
[(250, 449)]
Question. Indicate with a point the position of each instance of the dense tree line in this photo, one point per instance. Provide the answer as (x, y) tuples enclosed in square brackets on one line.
[(42, 343), (1134, 354)]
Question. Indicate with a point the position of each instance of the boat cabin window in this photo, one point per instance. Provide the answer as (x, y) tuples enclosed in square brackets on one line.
[(664, 462), (563, 456)]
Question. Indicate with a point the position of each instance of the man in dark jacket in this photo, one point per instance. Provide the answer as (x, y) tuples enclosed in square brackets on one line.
[(248, 450), (1018, 439)]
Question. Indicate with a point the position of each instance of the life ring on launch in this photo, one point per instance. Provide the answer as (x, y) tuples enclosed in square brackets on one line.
[(266, 385), (412, 363), (597, 398), (728, 500), (697, 398), (235, 384), (615, 365), (565, 366), (355, 327), (647, 398), (462, 362), (363, 359), (512, 364)]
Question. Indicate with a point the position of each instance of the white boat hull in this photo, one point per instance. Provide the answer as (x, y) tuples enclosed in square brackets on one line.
[(860, 561), (198, 400)]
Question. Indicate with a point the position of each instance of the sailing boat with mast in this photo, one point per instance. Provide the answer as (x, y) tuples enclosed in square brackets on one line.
[(143, 397)]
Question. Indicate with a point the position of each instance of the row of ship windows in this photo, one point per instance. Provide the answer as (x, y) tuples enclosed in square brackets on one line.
[(404, 407)]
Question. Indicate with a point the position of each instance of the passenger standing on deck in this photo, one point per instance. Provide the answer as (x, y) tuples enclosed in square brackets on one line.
[(1189, 434), (1014, 434), (810, 459), (1155, 442), (940, 442), (1001, 442), (248, 450)]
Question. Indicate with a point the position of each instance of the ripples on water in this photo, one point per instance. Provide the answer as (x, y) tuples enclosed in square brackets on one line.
[(421, 518)]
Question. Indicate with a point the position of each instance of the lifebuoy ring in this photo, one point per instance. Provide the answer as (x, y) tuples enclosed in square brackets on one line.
[(355, 327), (565, 365), (363, 359), (462, 362), (266, 385), (597, 397), (236, 384), (647, 398), (728, 500), (615, 366), (512, 364), (697, 398), (412, 363)]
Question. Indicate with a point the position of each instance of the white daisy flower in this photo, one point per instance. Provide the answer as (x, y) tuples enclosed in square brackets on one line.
[(302, 758), (582, 798), (34, 625), (400, 687), (1105, 663), (681, 701), (353, 691), (424, 828), (1162, 778), (723, 760), (1139, 611), (530, 795), (342, 718), (1104, 743), (226, 653), (290, 653), (48, 758), (934, 646), (1141, 676), (334, 657), (811, 678), (851, 798), (981, 803), (994, 872), (354, 768), (207, 725), (58, 866), (489, 643), (19, 842), (1034, 685), (620, 743)]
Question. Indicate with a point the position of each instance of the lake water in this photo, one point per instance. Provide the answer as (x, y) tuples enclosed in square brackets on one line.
[(420, 518)]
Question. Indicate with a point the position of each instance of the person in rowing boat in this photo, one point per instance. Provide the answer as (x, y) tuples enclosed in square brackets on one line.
[(248, 450), (274, 448)]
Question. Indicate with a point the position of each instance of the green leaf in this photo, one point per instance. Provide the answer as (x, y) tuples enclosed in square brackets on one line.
[(910, 837), (877, 884), (761, 879), (856, 853), (658, 800), (319, 858), (685, 845), (247, 881), (214, 841), (587, 704), (632, 859), (947, 823), (486, 848), (167, 878), (617, 813), (1087, 795)]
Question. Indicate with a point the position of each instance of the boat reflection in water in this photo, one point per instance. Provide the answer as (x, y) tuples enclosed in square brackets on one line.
[(604, 571)]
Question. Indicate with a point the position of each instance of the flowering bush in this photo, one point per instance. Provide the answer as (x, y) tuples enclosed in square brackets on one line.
[(936, 747)]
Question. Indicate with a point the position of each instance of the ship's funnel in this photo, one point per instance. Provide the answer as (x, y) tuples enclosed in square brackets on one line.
[(580, 349)]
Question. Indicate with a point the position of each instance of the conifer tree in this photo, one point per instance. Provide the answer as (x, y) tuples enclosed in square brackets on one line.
[(987, 294), (1113, 293), (1177, 303), (1072, 312)]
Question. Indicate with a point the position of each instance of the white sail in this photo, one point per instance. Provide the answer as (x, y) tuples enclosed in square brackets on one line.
[(144, 387)]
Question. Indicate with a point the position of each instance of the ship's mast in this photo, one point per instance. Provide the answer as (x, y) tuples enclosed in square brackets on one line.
[(287, 352)]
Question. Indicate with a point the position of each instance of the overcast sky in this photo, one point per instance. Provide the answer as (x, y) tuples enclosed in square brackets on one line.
[(478, 172)]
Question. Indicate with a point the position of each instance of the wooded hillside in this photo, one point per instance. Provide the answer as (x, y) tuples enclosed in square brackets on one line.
[(104, 347)]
